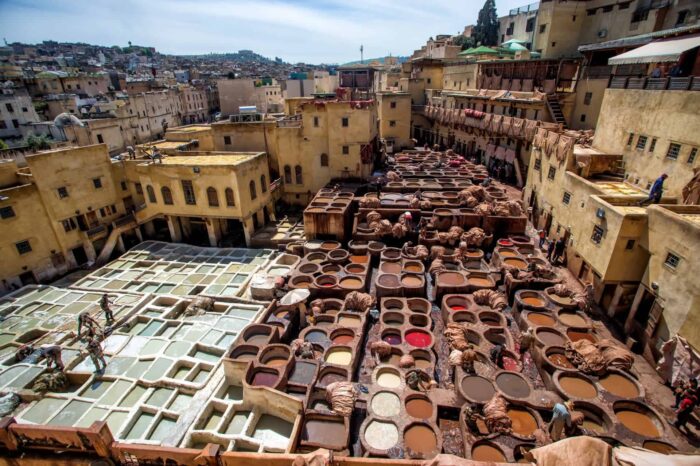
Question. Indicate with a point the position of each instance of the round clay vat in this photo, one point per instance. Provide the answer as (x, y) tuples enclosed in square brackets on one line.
[(410, 280), (565, 302), (475, 254), (659, 447), (257, 334), (330, 374), (351, 283), (418, 338), (451, 279), (309, 268), (349, 319), (520, 240), (244, 352), (326, 281), (492, 319), (342, 336), (506, 252), (392, 336), (381, 435), (620, 384), (358, 247), (531, 299), (473, 337), (339, 355), (478, 280), (275, 355), (443, 212), (316, 257), (457, 303), (419, 407), (421, 441), (390, 267), (388, 377), (573, 318), (301, 281), (392, 304), (536, 319), (576, 334), (356, 269), (594, 418), (332, 306), (315, 210), (331, 245), (488, 452), (515, 262), (496, 336), (555, 355), (419, 320), (423, 359), (419, 305), (334, 209), (324, 321), (639, 418), (513, 385), (550, 337), (476, 389), (463, 316), (338, 256), (395, 357), (388, 280), (316, 335), (391, 254), (523, 421), (413, 267), (504, 242), (575, 385), (393, 319), (264, 377), (331, 269), (385, 404), (375, 247)]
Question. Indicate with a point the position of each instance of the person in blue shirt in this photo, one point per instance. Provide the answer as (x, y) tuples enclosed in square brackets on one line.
[(656, 191), (561, 416)]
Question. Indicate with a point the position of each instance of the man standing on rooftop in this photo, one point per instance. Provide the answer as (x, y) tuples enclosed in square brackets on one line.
[(656, 191)]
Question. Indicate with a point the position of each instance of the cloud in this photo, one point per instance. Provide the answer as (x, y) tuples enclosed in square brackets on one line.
[(312, 31)]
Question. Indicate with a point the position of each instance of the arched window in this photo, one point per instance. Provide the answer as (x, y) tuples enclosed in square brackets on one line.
[(212, 197), (230, 200), (167, 195), (288, 174), (324, 160), (253, 194), (151, 194), (297, 174), (263, 184)]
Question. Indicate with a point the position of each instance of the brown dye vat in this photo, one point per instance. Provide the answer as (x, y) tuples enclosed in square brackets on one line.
[(451, 279), (619, 385), (301, 282), (351, 283), (419, 408), (533, 301), (276, 361), (507, 253), (412, 267), (393, 305), (523, 423), (540, 319), (331, 269), (420, 439), (477, 388), (550, 337), (591, 424), (411, 280), (512, 385), (390, 267), (515, 262), (388, 281), (257, 339), (571, 319), (419, 305), (560, 360), (330, 377), (355, 268), (358, 259), (561, 300), (638, 422), (309, 268), (328, 245), (577, 387), (479, 281), (422, 363), (659, 447), (323, 432), (575, 335), (349, 321), (394, 359), (486, 452), (265, 379)]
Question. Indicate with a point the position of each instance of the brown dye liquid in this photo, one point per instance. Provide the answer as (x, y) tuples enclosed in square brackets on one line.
[(576, 336), (422, 363), (638, 422), (394, 359), (388, 281), (590, 424), (477, 388), (356, 269), (391, 267), (451, 279), (420, 439), (350, 282), (523, 423), (533, 301), (513, 385), (329, 245), (257, 339), (571, 319), (478, 281), (393, 322), (486, 452), (578, 387), (331, 377), (265, 379), (560, 360), (358, 259), (619, 385), (245, 356), (276, 362), (413, 268), (540, 319), (515, 262), (419, 408), (323, 432), (410, 280), (507, 253), (301, 284), (659, 447), (551, 338)]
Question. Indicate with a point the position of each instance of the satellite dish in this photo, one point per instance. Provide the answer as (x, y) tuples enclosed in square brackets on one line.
[(294, 297)]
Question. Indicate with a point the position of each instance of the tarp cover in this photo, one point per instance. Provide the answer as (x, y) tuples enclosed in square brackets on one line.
[(657, 52), (626, 456)]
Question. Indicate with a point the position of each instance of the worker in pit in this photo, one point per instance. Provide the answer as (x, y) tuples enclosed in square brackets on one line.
[(87, 322), (52, 354), (94, 350), (561, 417), (105, 304)]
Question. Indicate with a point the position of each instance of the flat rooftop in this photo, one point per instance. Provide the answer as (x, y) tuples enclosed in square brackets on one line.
[(189, 129), (216, 158), (618, 188)]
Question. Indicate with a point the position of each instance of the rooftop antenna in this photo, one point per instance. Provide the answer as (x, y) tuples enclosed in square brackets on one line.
[(362, 49)]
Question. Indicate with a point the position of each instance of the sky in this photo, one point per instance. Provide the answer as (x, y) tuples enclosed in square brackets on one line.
[(311, 31)]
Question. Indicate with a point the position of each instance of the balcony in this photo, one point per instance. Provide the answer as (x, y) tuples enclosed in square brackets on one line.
[(689, 83)]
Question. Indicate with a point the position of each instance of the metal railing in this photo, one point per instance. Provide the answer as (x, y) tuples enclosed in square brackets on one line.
[(94, 231), (689, 83), (524, 9)]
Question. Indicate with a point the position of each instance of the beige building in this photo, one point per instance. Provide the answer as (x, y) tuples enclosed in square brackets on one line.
[(394, 112), (236, 93), (194, 104), (17, 113)]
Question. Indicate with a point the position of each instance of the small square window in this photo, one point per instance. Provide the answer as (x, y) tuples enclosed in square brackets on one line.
[(428, 80), (630, 244), (345, 121), (554, 44), (100, 139), (346, 150), (97, 183), (630, 139), (392, 123), (7, 212), (62, 192), (538, 164), (23, 247), (583, 117), (641, 142), (227, 140), (652, 146), (392, 105), (68, 225), (597, 235), (673, 151), (693, 154), (672, 260), (123, 185), (552, 172), (587, 98), (139, 188), (567, 198), (543, 28), (316, 120)]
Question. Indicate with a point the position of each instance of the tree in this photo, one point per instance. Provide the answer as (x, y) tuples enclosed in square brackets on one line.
[(486, 29), (40, 142), (3, 146), (464, 41)]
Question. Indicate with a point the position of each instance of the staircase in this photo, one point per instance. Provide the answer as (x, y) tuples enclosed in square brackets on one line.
[(555, 109), (126, 223)]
